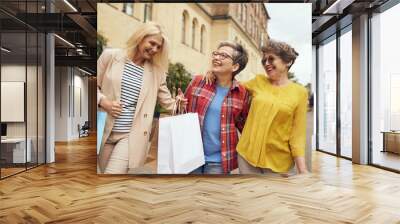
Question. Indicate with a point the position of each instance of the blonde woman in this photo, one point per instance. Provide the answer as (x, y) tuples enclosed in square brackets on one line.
[(130, 81), (274, 137)]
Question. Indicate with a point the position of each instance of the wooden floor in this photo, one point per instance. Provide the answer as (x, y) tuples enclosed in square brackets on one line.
[(70, 191), (10, 171), (387, 159)]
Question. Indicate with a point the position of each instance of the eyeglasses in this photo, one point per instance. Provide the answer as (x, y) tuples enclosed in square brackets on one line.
[(221, 55), (270, 59)]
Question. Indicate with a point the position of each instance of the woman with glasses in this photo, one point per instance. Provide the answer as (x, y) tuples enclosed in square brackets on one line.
[(129, 83), (274, 137), (222, 107)]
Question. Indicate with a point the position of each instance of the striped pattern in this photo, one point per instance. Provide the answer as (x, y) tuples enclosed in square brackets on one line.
[(131, 84), (234, 112)]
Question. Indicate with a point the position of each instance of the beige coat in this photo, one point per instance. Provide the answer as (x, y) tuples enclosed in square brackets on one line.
[(110, 67)]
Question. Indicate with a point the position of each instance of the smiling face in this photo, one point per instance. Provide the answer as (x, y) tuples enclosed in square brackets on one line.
[(222, 61), (150, 46), (274, 66)]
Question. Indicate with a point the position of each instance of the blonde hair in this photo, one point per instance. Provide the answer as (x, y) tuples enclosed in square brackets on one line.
[(160, 60)]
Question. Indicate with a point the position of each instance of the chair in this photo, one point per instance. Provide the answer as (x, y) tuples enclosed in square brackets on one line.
[(84, 130)]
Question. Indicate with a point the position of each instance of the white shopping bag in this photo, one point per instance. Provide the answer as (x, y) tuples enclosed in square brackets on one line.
[(180, 146), (101, 123)]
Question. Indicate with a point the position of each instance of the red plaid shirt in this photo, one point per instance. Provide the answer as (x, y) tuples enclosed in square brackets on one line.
[(235, 108)]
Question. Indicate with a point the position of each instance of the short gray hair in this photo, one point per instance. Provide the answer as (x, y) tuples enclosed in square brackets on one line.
[(239, 56)]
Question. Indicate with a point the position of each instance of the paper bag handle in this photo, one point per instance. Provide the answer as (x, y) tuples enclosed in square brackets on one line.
[(176, 109)]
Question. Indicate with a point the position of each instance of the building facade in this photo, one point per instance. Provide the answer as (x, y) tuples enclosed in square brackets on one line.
[(194, 29)]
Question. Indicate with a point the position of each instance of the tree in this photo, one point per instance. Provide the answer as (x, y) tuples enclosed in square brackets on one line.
[(177, 77), (101, 43), (292, 77), (310, 96)]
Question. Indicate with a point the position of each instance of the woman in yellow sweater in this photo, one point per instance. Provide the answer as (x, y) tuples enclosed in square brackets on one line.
[(274, 136)]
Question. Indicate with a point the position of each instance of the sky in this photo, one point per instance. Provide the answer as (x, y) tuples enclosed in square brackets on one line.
[(291, 23)]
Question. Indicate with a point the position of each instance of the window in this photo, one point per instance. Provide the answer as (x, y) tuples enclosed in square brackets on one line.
[(253, 29), (148, 12), (238, 10), (251, 26), (346, 94), (22, 87), (194, 29), (327, 96), (128, 8), (385, 89), (202, 40), (241, 12), (245, 17), (185, 18), (255, 33)]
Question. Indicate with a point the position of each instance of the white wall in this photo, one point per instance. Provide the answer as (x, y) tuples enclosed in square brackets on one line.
[(13, 73), (33, 126), (69, 85), (16, 73)]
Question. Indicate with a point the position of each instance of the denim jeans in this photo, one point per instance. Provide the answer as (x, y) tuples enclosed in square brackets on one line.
[(209, 168)]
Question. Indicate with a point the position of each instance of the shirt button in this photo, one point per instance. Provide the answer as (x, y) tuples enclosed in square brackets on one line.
[(223, 142), (145, 133), (223, 115), (223, 129)]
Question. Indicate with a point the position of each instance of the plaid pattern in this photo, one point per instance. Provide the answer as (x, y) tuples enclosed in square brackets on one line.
[(235, 108)]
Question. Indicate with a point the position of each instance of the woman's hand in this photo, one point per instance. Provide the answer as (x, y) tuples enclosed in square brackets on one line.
[(113, 108), (209, 77), (301, 165), (181, 100)]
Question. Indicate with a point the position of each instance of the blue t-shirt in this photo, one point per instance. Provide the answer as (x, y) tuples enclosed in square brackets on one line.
[(212, 126)]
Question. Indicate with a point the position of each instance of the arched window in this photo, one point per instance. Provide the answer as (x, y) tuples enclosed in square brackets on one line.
[(251, 26), (241, 12), (238, 10), (202, 38), (254, 28), (245, 17), (194, 28), (185, 18), (257, 9), (148, 12), (128, 8)]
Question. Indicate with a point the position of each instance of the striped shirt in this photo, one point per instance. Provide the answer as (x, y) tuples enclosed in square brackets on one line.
[(131, 84)]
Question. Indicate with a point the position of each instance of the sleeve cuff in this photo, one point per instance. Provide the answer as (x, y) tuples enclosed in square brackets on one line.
[(99, 97), (298, 152)]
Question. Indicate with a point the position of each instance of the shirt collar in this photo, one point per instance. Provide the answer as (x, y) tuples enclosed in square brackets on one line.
[(235, 85)]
